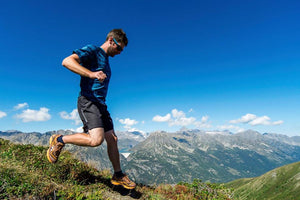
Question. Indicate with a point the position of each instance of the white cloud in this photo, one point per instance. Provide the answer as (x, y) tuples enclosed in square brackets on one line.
[(203, 123), (264, 120), (20, 106), (182, 121), (254, 120), (244, 119), (178, 118), (204, 119), (2, 114), (158, 118), (128, 122), (77, 130), (231, 127), (72, 116), (278, 122), (34, 115), (178, 114), (136, 130)]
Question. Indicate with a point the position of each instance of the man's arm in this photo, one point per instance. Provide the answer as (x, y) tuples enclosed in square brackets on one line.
[(73, 63)]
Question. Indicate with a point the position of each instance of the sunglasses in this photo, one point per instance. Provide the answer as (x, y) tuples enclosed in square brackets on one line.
[(119, 48)]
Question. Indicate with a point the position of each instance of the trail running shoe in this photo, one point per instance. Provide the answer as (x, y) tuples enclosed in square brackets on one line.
[(54, 149), (124, 181)]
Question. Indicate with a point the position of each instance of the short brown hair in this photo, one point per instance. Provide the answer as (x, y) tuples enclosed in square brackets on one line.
[(119, 35)]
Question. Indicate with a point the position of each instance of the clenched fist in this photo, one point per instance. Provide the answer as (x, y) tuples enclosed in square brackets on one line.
[(100, 75)]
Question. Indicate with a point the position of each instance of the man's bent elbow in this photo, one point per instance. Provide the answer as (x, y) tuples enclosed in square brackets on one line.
[(70, 60), (65, 61)]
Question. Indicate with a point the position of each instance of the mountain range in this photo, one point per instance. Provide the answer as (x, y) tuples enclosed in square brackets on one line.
[(162, 157)]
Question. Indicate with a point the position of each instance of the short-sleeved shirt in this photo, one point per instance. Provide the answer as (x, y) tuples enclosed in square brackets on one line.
[(95, 59)]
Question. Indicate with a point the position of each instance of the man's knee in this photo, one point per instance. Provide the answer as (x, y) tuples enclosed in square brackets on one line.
[(96, 142), (96, 137)]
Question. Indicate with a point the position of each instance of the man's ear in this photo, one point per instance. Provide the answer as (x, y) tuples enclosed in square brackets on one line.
[(110, 40)]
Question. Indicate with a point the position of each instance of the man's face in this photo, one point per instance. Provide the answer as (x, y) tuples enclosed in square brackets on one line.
[(115, 49)]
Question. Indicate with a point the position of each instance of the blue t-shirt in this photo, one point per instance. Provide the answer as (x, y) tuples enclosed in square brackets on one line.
[(95, 59)]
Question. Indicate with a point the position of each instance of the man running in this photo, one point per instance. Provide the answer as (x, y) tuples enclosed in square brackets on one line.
[(92, 64)]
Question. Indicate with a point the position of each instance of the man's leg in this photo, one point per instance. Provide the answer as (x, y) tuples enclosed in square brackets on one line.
[(57, 142), (113, 153), (112, 149), (93, 139)]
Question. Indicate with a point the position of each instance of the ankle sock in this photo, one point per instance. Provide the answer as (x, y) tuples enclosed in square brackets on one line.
[(59, 139), (119, 174)]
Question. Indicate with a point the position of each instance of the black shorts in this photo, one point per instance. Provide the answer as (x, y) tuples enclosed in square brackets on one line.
[(94, 115)]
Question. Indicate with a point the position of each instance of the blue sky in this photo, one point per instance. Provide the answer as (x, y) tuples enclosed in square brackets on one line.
[(211, 65)]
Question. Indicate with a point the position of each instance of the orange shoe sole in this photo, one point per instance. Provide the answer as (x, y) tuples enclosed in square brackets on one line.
[(48, 151), (117, 183)]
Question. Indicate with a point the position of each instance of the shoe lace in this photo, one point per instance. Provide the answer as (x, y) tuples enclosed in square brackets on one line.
[(58, 148), (126, 179)]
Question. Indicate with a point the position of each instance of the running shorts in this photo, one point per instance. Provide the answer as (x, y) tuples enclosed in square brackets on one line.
[(94, 115)]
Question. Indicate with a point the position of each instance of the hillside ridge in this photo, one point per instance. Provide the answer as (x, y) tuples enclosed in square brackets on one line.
[(25, 173), (280, 183)]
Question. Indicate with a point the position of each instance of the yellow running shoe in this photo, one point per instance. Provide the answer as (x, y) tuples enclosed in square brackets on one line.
[(124, 181), (54, 149)]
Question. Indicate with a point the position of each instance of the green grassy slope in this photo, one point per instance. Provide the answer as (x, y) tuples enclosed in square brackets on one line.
[(280, 183), (25, 173)]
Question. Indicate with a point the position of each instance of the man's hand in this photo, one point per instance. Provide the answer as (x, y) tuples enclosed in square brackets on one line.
[(72, 62), (100, 75)]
